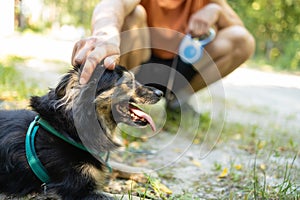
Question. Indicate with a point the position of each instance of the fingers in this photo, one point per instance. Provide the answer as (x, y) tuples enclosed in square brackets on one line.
[(200, 22), (197, 28), (76, 49), (90, 64), (90, 52), (110, 62), (95, 57), (81, 50)]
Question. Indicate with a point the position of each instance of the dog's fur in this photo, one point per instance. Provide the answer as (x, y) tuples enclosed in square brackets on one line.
[(74, 173)]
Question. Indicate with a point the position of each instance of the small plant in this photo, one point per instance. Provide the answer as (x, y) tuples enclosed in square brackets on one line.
[(217, 166), (287, 187)]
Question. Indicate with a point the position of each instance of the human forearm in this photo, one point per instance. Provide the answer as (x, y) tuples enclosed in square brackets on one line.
[(225, 15), (104, 44), (109, 15), (203, 19), (216, 14)]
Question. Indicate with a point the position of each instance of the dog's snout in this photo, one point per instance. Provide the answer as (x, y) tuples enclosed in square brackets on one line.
[(158, 93)]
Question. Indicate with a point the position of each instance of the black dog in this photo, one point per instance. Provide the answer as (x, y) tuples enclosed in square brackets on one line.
[(67, 167)]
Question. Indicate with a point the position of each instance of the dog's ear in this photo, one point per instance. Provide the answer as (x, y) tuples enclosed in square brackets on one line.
[(70, 80), (60, 89)]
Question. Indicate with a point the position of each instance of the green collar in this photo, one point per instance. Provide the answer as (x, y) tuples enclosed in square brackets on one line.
[(32, 158)]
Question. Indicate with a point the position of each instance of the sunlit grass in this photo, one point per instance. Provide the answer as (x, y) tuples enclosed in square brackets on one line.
[(12, 86)]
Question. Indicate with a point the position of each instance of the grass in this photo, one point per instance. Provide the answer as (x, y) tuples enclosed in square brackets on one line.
[(151, 189), (12, 85), (250, 180), (266, 170), (287, 188)]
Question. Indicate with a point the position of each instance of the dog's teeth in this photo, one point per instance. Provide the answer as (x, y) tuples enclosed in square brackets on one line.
[(134, 117)]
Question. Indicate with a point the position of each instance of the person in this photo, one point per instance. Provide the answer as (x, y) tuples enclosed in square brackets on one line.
[(133, 32)]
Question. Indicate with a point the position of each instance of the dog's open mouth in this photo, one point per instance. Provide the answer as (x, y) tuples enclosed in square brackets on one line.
[(133, 115), (141, 118)]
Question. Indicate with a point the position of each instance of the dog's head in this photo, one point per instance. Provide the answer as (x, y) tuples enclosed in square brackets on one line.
[(116, 98)]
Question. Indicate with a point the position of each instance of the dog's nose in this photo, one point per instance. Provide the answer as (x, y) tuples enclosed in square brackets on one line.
[(158, 93)]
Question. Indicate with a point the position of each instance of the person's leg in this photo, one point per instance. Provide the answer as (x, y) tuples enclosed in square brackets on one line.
[(232, 47), (135, 39)]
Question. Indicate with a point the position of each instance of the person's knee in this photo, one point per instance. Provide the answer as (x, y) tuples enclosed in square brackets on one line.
[(135, 39), (243, 42), (136, 19), (140, 13)]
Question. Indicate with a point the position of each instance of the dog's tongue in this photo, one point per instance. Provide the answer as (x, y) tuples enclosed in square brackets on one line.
[(147, 117)]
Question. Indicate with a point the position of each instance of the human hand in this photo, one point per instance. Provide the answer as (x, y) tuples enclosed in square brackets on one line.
[(91, 51), (202, 20)]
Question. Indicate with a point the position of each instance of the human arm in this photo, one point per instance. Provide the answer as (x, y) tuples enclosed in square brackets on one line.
[(107, 21), (216, 14)]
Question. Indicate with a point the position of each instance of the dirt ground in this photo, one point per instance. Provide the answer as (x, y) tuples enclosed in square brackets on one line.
[(266, 104)]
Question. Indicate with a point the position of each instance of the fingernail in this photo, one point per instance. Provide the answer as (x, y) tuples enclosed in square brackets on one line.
[(82, 81), (78, 61), (110, 63), (112, 66)]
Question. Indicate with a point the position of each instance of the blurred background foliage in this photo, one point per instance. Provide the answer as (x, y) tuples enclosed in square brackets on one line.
[(276, 27), (71, 12), (274, 23)]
